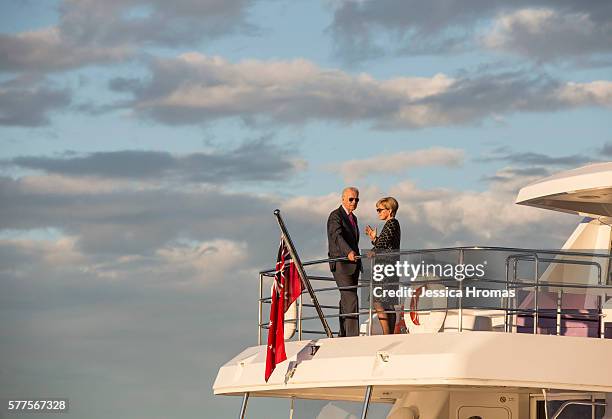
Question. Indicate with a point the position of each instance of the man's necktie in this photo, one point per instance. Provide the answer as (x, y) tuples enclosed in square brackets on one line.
[(353, 222)]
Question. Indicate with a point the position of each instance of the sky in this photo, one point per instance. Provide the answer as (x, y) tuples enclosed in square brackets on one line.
[(144, 145)]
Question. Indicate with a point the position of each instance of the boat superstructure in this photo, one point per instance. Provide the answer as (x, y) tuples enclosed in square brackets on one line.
[(530, 338)]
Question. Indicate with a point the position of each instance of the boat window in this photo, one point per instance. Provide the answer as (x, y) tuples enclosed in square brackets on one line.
[(570, 412)]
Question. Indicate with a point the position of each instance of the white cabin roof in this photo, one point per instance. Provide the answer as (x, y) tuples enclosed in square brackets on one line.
[(399, 363), (584, 191)]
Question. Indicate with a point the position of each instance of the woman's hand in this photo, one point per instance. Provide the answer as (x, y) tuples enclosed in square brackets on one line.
[(370, 232)]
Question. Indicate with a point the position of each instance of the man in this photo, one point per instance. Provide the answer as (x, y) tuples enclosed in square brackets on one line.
[(343, 242)]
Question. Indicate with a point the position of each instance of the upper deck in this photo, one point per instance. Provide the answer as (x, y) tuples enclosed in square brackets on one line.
[(528, 321), (565, 291)]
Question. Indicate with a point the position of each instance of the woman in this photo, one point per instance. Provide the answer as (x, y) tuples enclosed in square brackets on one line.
[(388, 240)]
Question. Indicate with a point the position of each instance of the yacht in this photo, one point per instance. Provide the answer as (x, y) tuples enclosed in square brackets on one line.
[(530, 338)]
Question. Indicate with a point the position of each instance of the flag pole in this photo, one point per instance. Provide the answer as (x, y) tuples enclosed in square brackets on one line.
[(302, 273)]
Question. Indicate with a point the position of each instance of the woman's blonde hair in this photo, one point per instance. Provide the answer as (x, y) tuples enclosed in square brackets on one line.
[(389, 203)]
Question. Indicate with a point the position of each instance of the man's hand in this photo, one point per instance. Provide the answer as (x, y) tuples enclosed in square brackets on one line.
[(352, 256)]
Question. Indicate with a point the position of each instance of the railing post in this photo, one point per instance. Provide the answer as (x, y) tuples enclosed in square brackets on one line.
[(602, 321), (299, 320), (515, 305), (260, 310), (366, 402), (507, 299), (302, 273), (536, 316), (600, 303), (245, 399), (370, 299), (559, 308), (461, 256)]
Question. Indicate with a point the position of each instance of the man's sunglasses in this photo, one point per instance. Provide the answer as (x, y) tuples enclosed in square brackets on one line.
[(353, 199)]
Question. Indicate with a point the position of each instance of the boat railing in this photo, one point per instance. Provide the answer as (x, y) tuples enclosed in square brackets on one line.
[(547, 291)]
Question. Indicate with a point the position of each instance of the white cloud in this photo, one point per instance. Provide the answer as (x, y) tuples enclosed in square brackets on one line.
[(531, 20), (539, 30), (91, 32), (61, 253), (440, 217), (49, 49), (195, 89), (175, 264), (399, 162), (194, 237), (547, 34), (598, 93), (208, 261)]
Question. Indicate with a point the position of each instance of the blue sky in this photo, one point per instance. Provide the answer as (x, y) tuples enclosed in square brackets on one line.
[(144, 145)]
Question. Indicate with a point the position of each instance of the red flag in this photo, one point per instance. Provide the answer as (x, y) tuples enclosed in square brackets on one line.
[(287, 288)]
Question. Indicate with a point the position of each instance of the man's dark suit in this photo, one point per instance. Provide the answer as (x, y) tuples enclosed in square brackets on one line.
[(342, 237)]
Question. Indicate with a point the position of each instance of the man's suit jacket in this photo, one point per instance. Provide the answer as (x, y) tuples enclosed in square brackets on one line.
[(341, 239)]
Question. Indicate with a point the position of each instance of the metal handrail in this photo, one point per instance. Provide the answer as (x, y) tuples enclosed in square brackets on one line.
[(530, 255), (456, 248)]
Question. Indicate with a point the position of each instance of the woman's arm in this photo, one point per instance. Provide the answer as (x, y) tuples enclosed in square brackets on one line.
[(385, 240)]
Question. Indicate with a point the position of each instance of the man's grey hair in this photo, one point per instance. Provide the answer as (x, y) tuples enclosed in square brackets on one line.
[(350, 188)]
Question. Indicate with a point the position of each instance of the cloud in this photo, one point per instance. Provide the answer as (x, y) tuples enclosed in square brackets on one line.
[(473, 99), (207, 261), (155, 22), (178, 263), (47, 50), (133, 220), (439, 217), (606, 150), (244, 163), (539, 159), (19, 253), (545, 34), (509, 175), (366, 29), (91, 33), (30, 106), (70, 185), (195, 89), (595, 93), (525, 166), (104, 333), (472, 217), (359, 27), (399, 162), (128, 220), (185, 239)]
